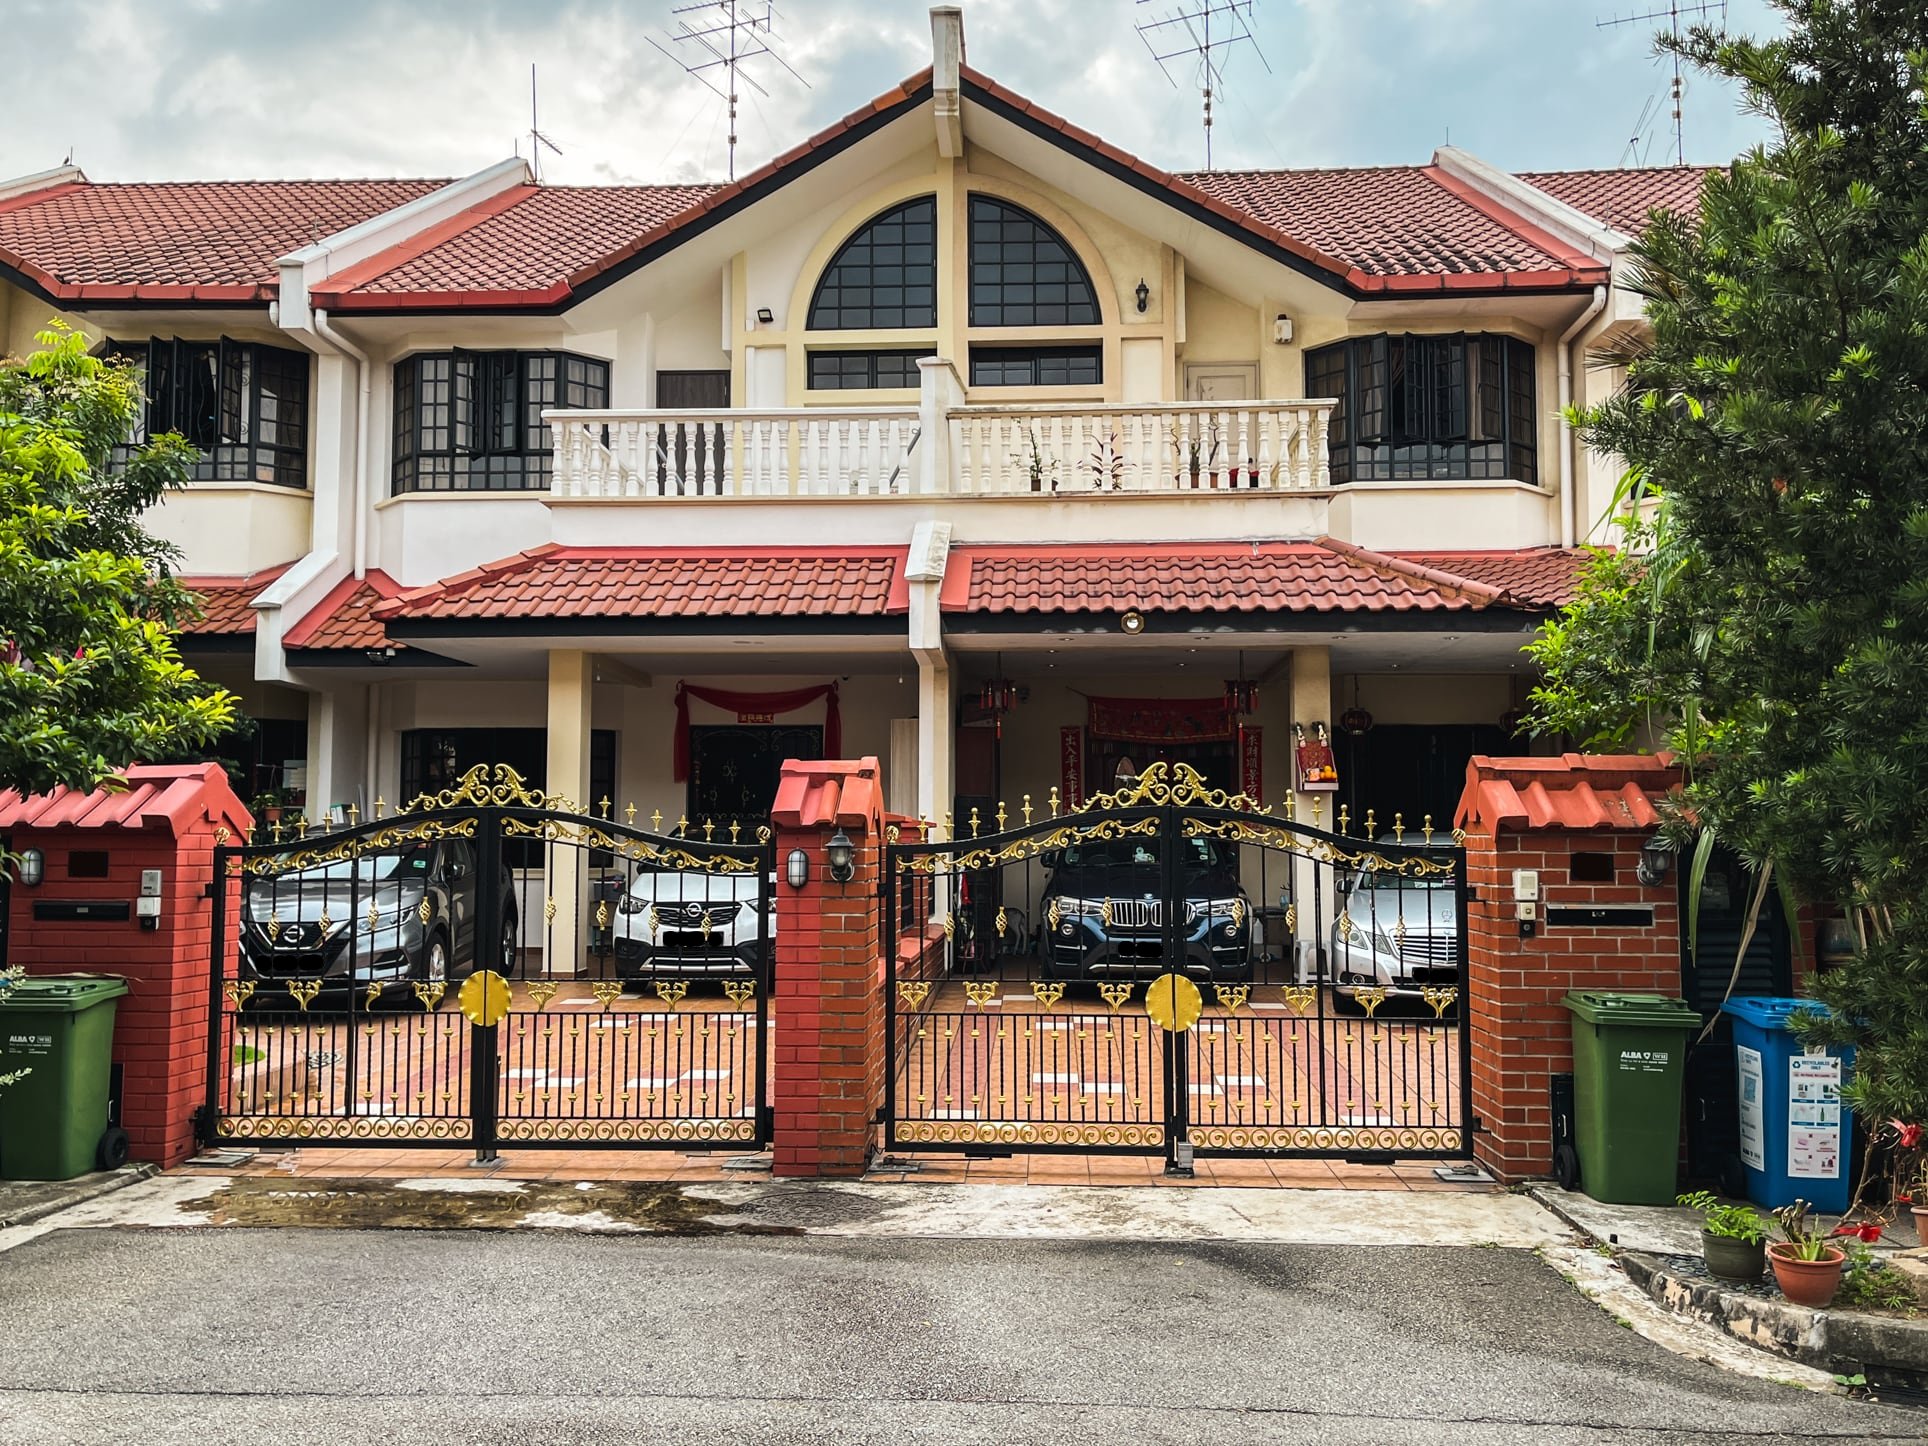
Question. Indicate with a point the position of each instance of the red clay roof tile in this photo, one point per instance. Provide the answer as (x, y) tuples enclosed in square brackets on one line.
[(639, 582), (1574, 792), (1623, 198), (180, 240), (170, 796), (225, 610), (342, 619), (1533, 576)]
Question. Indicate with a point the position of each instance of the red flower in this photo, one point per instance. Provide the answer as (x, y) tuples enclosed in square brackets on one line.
[(1867, 1231), (1908, 1136)]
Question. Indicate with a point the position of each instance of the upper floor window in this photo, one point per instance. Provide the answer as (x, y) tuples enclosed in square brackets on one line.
[(244, 405), (472, 420), (885, 276), (1023, 273), (1428, 407)]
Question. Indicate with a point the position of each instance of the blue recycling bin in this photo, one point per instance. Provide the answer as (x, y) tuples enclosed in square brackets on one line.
[(1795, 1127)]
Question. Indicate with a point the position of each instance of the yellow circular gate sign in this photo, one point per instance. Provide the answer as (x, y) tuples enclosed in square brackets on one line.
[(1173, 1002), (484, 998)]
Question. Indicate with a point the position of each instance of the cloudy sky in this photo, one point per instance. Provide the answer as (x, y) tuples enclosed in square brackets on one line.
[(176, 89)]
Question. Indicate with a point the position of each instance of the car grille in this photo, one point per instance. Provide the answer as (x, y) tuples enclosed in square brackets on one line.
[(690, 914), (1431, 952), (1136, 913), (290, 964)]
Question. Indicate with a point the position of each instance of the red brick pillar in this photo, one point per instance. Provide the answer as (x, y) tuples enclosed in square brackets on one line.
[(1538, 814), (96, 847), (828, 1069)]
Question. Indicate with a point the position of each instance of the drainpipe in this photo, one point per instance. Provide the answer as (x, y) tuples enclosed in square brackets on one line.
[(365, 374), (1569, 505)]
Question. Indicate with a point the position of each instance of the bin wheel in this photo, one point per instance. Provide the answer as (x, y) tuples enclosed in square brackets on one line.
[(1566, 1167), (111, 1153)]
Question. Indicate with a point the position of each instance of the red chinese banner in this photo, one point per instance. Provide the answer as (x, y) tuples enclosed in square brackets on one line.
[(1161, 720), (1071, 765), (759, 707), (1251, 764)]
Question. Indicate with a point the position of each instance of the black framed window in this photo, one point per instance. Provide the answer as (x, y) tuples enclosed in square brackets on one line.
[(1429, 407), (1023, 273), (1037, 366), (242, 404), (472, 420), (853, 370), (884, 276)]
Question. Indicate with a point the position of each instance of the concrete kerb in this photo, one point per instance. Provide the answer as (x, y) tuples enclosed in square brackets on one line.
[(24, 1201), (1839, 1342)]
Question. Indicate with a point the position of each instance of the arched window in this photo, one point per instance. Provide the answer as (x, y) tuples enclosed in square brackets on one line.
[(1023, 273), (884, 276)]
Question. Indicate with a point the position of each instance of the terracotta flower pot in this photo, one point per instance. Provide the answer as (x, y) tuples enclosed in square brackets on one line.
[(1920, 1212), (1807, 1282), (1731, 1259)]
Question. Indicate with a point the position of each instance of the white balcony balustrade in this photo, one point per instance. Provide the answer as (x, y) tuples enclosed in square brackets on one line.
[(942, 447)]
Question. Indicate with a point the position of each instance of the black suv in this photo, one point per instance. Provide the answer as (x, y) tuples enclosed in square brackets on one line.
[(1103, 912), (298, 925)]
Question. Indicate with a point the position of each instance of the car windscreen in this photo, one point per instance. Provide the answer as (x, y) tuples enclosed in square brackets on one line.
[(377, 868), (1195, 855), (1389, 880)]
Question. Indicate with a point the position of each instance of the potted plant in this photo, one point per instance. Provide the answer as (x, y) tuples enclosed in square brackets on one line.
[(1807, 1265), (1106, 463), (267, 805), (1200, 449), (1039, 465), (1733, 1238)]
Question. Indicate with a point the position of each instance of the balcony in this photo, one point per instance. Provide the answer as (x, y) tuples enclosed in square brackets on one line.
[(943, 448)]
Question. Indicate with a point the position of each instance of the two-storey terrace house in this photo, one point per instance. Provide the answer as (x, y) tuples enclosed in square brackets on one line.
[(953, 435)]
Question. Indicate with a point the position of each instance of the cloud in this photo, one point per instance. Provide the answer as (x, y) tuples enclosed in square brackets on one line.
[(209, 88)]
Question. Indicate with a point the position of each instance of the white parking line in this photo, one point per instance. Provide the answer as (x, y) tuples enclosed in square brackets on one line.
[(1054, 1079)]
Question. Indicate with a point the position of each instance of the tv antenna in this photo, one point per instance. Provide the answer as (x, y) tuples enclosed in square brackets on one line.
[(537, 140), (1672, 13), (726, 35), (1208, 27)]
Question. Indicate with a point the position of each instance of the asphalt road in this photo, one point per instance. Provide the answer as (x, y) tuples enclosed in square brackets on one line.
[(342, 1336)]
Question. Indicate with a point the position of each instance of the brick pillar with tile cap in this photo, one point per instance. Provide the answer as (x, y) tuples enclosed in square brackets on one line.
[(828, 1064), (96, 846), (1578, 821)]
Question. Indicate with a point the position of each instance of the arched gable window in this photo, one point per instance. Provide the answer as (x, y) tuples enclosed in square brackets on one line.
[(1023, 273), (884, 276)]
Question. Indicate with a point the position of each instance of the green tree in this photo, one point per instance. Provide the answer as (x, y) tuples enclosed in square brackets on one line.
[(1773, 627), (90, 678)]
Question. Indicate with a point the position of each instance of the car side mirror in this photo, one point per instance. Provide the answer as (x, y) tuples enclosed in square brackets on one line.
[(1343, 882), (1050, 858)]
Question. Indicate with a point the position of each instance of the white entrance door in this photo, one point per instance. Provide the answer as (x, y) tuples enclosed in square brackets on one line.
[(1222, 381)]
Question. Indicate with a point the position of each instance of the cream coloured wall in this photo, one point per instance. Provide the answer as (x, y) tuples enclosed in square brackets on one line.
[(1218, 329), (234, 528)]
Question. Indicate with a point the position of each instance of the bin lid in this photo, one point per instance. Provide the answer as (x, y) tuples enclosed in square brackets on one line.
[(1771, 1012), (1598, 1007), (63, 993)]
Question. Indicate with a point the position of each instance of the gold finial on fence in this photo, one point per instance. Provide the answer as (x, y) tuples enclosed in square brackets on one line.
[(1345, 820), (275, 829), (923, 828), (1399, 828), (1318, 810), (1001, 816), (354, 815), (1429, 830), (1027, 809), (950, 825), (1291, 806), (604, 805), (381, 809), (1053, 800), (1372, 826), (656, 820), (709, 829), (629, 814), (736, 828), (301, 824), (682, 825), (974, 822)]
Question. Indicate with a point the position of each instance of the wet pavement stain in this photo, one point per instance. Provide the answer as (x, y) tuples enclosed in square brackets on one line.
[(612, 1206)]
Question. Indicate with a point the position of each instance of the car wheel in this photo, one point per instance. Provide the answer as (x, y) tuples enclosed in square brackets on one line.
[(435, 958), (509, 945)]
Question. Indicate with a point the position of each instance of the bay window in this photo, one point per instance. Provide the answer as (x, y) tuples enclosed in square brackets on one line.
[(472, 420)]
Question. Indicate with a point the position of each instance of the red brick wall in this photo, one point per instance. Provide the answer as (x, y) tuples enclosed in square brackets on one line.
[(1520, 1033), (828, 1065), (160, 1027)]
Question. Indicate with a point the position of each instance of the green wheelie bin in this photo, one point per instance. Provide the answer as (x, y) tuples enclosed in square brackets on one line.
[(1629, 1055), (59, 1029)]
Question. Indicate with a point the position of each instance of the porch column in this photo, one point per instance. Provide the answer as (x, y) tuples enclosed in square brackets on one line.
[(935, 739), (1311, 705), (570, 682), (337, 745)]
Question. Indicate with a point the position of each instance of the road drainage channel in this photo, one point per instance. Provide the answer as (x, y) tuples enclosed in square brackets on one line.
[(615, 1206)]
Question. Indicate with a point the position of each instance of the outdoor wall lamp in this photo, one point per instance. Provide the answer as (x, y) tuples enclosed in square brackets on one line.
[(1143, 294), (1656, 861), (796, 868), (765, 316), (1281, 328), (841, 854), (33, 867)]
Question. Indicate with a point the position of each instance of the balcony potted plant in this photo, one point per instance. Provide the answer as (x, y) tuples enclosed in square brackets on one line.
[(1200, 449), (267, 805), (1040, 467), (1733, 1238), (1807, 1265)]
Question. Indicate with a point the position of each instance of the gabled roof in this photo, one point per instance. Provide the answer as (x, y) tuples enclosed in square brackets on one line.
[(1327, 576), (1575, 791), (564, 584), (1623, 198), (205, 242), (171, 796), (225, 602), (342, 620)]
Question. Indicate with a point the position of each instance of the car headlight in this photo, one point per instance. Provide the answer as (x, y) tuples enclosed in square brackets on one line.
[(1229, 911)]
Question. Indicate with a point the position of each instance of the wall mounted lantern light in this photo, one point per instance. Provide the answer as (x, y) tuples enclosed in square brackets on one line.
[(1656, 861), (33, 867), (1144, 295), (765, 316), (796, 868), (841, 854)]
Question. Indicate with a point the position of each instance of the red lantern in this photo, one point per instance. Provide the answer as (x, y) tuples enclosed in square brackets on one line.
[(1356, 721)]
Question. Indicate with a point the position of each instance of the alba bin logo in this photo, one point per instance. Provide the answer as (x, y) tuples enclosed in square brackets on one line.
[(1645, 1061)]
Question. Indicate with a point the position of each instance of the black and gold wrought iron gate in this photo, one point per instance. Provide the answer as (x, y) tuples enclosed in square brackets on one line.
[(490, 967), (1172, 970)]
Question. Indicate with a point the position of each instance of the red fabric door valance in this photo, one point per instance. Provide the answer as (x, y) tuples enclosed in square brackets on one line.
[(754, 703)]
